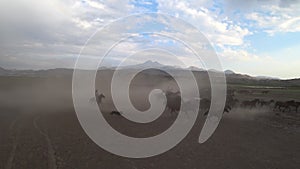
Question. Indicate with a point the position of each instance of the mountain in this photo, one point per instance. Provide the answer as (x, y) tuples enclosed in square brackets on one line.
[(194, 68), (149, 64), (231, 76), (58, 72), (2, 71), (266, 77), (228, 72)]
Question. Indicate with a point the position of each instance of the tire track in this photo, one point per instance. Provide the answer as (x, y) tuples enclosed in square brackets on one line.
[(51, 152), (14, 136)]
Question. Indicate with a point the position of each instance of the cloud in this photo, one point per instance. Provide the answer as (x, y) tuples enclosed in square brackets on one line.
[(242, 55), (270, 16), (45, 30), (276, 19), (219, 29), (288, 3)]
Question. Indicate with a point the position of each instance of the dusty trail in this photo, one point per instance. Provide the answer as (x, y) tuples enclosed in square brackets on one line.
[(15, 130), (51, 152)]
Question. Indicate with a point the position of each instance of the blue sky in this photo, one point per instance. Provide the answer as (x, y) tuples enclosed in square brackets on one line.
[(148, 5), (263, 42), (252, 37)]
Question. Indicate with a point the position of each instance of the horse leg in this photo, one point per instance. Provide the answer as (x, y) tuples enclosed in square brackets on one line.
[(171, 111), (285, 109), (279, 108), (289, 109)]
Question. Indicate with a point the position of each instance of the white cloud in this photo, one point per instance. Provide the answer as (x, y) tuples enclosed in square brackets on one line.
[(81, 23), (59, 27), (242, 55), (268, 15), (219, 29), (96, 4)]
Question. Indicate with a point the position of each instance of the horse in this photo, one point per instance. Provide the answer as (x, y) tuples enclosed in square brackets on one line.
[(293, 103), (231, 93), (204, 103), (245, 92), (227, 109), (173, 101), (297, 105), (251, 104), (114, 112), (263, 103), (98, 98), (285, 105), (231, 101), (265, 92)]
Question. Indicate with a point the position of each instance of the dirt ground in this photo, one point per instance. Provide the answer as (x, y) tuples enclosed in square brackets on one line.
[(39, 129)]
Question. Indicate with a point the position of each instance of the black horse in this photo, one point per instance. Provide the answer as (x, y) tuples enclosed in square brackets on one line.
[(114, 112)]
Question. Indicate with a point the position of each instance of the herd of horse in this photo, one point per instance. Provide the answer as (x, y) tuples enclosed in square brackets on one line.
[(173, 103), (282, 106)]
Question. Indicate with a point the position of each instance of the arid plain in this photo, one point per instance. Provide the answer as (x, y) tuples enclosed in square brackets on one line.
[(39, 127)]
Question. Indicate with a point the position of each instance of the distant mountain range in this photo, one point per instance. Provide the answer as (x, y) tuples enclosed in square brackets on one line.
[(58, 72), (231, 76), (150, 64)]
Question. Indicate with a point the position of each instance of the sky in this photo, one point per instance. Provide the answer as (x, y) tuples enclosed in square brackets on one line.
[(255, 37)]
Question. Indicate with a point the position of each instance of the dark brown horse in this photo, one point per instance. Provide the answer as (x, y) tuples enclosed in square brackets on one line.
[(250, 104), (245, 92), (205, 104), (263, 103), (99, 97), (231, 101), (282, 106), (173, 101), (296, 105), (292, 103)]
